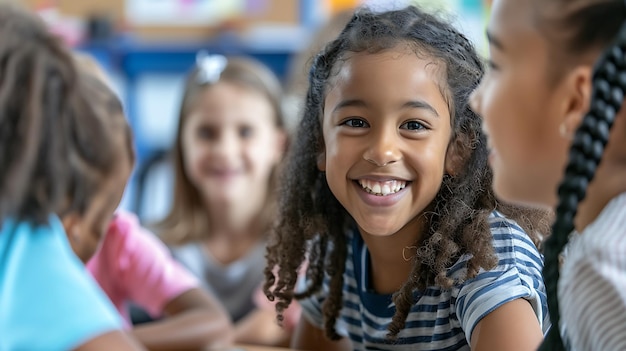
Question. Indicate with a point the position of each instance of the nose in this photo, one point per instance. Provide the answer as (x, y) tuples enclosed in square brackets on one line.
[(225, 145), (384, 148)]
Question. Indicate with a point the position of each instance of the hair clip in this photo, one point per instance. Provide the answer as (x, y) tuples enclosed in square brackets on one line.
[(210, 67)]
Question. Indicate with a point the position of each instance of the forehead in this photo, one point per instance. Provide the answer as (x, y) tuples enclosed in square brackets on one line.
[(514, 24), (402, 73), (231, 102), (400, 59)]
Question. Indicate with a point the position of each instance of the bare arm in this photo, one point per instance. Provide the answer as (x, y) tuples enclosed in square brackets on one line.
[(511, 327), (309, 337), (114, 340), (260, 327), (194, 320)]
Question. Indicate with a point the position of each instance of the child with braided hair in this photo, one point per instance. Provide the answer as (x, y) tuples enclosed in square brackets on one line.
[(552, 105), (387, 196), (47, 131)]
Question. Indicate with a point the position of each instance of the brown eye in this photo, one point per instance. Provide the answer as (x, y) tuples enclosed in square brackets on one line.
[(245, 132), (356, 123), (413, 125), (206, 133)]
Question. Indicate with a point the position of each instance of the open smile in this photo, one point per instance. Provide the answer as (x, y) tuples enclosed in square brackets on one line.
[(382, 188), (383, 193)]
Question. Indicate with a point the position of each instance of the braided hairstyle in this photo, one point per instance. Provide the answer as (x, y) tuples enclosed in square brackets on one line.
[(312, 223), (595, 24), (37, 86), (98, 139)]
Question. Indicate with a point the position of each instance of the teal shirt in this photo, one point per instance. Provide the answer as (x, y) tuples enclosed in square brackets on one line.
[(48, 301)]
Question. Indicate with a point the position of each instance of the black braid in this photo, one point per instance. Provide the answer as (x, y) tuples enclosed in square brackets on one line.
[(609, 85)]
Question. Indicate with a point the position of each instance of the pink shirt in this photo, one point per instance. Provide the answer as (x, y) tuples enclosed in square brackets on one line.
[(133, 265)]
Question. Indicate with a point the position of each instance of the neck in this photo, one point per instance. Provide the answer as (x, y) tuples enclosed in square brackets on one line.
[(392, 257), (234, 218), (234, 226), (227, 246)]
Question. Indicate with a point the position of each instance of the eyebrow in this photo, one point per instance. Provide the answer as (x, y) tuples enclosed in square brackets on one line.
[(494, 41), (349, 103), (413, 104), (420, 104)]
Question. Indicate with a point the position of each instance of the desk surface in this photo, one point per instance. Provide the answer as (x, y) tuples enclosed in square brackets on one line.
[(257, 348)]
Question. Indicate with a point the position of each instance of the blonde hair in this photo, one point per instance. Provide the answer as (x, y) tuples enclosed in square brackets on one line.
[(187, 220)]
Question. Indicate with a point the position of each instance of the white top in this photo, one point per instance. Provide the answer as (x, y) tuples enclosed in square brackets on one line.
[(592, 287)]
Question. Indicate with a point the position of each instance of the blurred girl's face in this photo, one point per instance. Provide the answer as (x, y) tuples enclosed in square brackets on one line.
[(522, 109), (230, 144)]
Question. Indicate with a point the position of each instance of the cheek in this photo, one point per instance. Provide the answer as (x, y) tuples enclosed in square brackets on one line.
[(509, 116), (262, 150), (432, 161), (192, 156), (494, 98)]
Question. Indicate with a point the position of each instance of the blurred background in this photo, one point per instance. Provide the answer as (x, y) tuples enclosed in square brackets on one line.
[(148, 46)]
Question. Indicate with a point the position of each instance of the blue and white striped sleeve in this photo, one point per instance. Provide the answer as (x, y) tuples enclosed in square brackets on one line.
[(517, 275)]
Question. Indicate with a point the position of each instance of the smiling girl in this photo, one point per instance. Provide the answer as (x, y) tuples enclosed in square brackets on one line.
[(387, 194)]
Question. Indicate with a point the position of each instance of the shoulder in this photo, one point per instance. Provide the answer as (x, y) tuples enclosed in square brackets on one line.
[(512, 245), (123, 227), (126, 236), (518, 274), (51, 283)]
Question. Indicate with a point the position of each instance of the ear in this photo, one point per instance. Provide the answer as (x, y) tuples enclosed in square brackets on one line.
[(321, 161), (577, 97), (455, 155)]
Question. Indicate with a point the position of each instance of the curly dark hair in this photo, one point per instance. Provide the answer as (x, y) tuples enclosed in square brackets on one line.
[(312, 223), (578, 28), (37, 87)]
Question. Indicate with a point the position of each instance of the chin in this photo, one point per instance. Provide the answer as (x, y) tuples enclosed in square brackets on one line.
[(518, 194), (378, 230)]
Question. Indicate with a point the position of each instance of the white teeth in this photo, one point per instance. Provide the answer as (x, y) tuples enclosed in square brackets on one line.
[(386, 190), (376, 188), (382, 188)]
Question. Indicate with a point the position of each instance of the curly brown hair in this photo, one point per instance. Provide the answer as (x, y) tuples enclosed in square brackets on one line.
[(312, 223)]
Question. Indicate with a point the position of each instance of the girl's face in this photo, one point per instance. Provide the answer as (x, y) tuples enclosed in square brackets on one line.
[(386, 128), (230, 144), (522, 108)]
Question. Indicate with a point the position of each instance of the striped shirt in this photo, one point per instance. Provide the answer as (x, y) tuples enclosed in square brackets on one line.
[(592, 288), (441, 319)]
